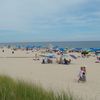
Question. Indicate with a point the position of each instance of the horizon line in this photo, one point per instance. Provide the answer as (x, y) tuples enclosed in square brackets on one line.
[(49, 41)]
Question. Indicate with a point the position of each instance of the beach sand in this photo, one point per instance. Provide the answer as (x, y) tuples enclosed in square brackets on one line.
[(21, 65)]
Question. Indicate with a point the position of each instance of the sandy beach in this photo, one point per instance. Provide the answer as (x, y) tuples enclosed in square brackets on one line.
[(21, 65)]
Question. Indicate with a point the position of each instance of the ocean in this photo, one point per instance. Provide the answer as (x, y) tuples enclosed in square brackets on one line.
[(66, 44)]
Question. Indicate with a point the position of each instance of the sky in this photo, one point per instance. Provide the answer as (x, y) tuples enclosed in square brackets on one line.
[(49, 20)]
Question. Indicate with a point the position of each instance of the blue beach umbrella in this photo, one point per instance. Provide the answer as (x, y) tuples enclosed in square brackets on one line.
[(95, 49), (62, 49)]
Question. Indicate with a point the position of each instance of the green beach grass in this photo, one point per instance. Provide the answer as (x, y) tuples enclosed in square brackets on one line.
[(20, 90)]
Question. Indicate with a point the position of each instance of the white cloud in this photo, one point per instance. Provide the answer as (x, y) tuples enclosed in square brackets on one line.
[(21, 14), (30, 16)]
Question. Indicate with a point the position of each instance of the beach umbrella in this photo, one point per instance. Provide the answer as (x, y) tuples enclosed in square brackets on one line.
[(49, 55), (61, 49), (92, 49), (95, 49), (98, 49)]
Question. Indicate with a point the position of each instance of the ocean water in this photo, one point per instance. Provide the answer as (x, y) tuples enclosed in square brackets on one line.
[(67, 44)]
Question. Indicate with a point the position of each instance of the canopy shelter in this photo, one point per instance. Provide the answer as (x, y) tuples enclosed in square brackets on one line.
[(49, 55)]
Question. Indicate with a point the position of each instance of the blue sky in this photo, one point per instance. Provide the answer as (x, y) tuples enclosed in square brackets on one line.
[(49, 20)]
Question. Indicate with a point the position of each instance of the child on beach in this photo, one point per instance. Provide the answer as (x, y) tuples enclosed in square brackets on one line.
[(82, 74)]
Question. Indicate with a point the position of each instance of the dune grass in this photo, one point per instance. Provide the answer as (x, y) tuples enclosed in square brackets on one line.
[(20, 90)]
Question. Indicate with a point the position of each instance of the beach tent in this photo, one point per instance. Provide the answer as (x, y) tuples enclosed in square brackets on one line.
[(49, 55)]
